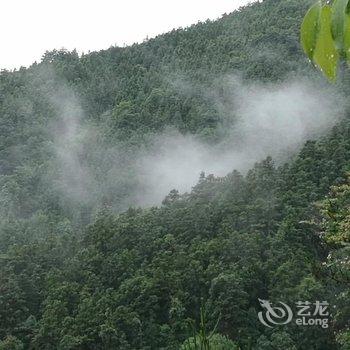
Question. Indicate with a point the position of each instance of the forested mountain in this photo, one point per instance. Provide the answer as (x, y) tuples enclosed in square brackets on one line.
[(83, 266)]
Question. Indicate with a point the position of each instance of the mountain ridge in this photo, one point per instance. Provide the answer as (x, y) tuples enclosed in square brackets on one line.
[(81, 269)]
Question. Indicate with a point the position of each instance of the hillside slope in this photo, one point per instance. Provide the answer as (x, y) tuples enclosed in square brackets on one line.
[(81, 271)]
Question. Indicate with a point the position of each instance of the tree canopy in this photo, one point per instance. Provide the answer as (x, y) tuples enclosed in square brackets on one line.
[(83, 268)]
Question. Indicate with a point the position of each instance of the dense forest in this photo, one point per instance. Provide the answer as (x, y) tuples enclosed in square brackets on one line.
[(93, 257)]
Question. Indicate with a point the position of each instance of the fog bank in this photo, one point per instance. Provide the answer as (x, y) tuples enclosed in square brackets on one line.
[(264, 120)]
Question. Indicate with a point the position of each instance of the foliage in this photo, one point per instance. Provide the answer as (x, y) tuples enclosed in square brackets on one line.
[(325, 35), (86, 271), (335, 233), (216, 342), (11, 343)]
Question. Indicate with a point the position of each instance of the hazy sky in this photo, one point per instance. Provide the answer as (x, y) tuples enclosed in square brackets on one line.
[(30, 27)]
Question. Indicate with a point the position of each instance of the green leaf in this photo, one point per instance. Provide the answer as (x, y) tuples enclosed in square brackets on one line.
[(339, 9), (326, 55), (309, 28), (347, 37)]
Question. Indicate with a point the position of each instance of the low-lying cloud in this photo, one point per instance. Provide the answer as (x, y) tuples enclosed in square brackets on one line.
[(260, 120), (266, 120)]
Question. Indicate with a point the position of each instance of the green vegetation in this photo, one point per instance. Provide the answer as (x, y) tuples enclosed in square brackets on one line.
[(325, 35), (81, 270)]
